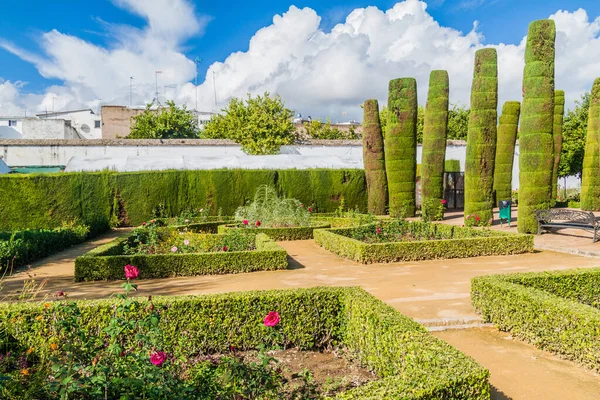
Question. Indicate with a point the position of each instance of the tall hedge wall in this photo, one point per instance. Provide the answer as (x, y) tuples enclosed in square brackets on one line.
[(559, 114), (481, 138), (590, 176), (374, 159), (401, 146), (536, 141), (505, 150), (435, 131), (98, 199)]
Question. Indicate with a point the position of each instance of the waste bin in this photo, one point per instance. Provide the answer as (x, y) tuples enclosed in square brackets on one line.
[(505, 210)]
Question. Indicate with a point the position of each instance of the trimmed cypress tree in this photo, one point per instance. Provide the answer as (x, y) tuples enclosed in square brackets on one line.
[(374, 159), (536, 142), (401, 146), (435, 132), (481, 140), (559, 114), (505, 150), (590, 176)]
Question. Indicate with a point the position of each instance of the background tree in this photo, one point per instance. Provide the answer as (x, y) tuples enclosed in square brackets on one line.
[(590, 176), (574, 131), (261, 124), (170, 122), (374, 159)]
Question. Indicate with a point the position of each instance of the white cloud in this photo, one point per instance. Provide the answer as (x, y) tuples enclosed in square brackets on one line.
[(319, 73)]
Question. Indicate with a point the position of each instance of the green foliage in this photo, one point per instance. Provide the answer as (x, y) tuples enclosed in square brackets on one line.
[(316, 129), (23, 247), (557, 134), (401, 146), (260, 124), (169, 122), (482, 136), (270, 211), (411, 363), (505, 150), (435, 132), (278, 234), (106, 262), (452, 166), (536, 141), (374, 159), (450, 242), (590, 176), (556, 311), (574, 132)]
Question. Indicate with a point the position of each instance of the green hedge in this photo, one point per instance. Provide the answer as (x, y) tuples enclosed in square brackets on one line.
[(590, 175), (452, 166), (455, 242), (410, 362), (23, 247), (505, 150), (106, 262), (559, 115), (556, 311), (279, 234), (374, 159), (100, 200)]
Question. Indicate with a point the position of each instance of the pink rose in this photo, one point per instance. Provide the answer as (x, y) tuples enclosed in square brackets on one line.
[(378, 230), (225, 248), (131, 272), (144, 223), (60, 293), (477, 218), (272, 319), (187, 221), (186, 242), (245, 222), (310, 209), (158, 358), (257, 223), (444, 201), (174, 249)]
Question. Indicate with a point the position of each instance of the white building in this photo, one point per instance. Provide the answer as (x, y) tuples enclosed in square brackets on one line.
[(11, 127), (36, 128), (203, 117), (86, 122)]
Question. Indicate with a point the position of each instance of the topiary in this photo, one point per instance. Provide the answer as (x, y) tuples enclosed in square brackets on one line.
[(590, 177), (559, 114), (505, 150), (374, 159)]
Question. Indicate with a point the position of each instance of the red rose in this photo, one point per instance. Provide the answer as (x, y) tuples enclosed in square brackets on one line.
[(310, 209), (60, 293), (444, 201), (131, 272), (144, 223), (378, 230), (245, 222), (257, 223), (158, 358), (272, 319), (225, 248), (477, 219)]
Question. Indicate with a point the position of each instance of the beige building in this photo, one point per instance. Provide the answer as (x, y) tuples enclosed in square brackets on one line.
[(116, 120)]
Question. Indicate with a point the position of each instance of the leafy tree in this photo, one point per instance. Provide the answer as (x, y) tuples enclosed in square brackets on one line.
[(574, 131), (316, 129), (260, 124), (170, 122)]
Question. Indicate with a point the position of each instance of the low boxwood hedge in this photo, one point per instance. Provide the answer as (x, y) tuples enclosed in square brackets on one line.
[(106, 262), (410, 362), (279, 234), (23, 247), (556, 311), (452, 242)]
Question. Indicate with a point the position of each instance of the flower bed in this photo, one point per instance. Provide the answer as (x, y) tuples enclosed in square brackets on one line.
[(161, 347), (23, 247), (412, 241), (175, 253), (277, 234), (556, 311)]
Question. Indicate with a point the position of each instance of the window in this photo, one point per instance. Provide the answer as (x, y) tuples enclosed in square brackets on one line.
[(12, 122), (96, 124)]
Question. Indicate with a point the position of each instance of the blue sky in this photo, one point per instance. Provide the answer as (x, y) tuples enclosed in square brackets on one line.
[(228, 26)]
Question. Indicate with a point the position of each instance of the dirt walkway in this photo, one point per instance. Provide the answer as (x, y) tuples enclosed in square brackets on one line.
[(433, 292)]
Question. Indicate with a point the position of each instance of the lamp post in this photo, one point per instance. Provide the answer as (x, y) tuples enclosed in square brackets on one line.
[(130, 91), (157, 94), (197, 61)]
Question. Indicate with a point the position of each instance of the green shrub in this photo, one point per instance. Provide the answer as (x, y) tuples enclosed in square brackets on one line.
[(556, 311), (401, 146), (106, 262), (278, 234), (23, 247), (411, 363), (267, 209), (590, 176), (452, 166), (536, 142), (449, 242), (481, 139), (435, 132), (170, 122), (557, 134), (374, 159), (505, 150)]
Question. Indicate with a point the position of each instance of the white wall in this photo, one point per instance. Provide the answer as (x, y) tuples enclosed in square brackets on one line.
[(83, 121), (10, 132), (46, 129)]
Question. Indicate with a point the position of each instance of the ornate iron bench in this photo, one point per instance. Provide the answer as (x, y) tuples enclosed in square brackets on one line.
[(567, 219)]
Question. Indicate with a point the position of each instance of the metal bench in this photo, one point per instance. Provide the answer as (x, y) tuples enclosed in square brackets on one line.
[(567, 219)]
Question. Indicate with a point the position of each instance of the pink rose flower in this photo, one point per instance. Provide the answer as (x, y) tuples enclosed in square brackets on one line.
[(186, 242), (245, 222), (225, 248), (444, 201), (378, 230), (131, 272), (158, 358), (310, 209), (174, 249), (60, 293), (272, 319), (187, 221), (257, 223), (144, 223)]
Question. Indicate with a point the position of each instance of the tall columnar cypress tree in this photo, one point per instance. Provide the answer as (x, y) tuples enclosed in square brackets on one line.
[(481, 139), (374, 159), (435, 132), (505, 150), (536, 142), (559, 113), (401, 146), (590, 176)]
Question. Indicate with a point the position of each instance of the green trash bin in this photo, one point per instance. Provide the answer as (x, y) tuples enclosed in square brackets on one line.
[(505, 210)]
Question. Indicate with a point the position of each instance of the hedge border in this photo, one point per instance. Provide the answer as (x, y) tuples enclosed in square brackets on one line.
[(499, 243), (279, 234), (532, 308), (410, 362), (106, 262)]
